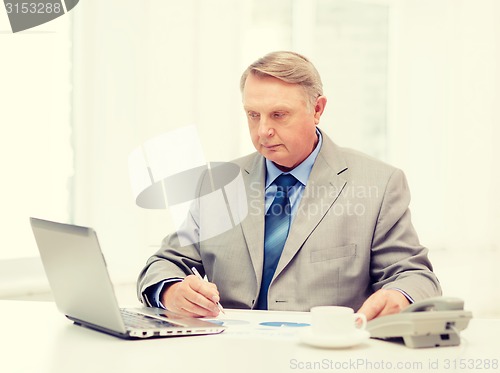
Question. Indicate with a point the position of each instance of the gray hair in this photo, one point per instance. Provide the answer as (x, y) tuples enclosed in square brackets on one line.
[(289, 67)]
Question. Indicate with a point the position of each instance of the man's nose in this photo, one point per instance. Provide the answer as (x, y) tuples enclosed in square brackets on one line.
[(265, 128)]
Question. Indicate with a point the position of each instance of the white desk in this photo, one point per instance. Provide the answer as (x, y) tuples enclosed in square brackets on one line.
[(35, 337)]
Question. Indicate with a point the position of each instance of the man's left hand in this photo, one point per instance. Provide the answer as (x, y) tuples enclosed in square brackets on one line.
[(384, 302)]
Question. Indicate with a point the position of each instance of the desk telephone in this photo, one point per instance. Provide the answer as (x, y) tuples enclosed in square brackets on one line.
[(432, 322)]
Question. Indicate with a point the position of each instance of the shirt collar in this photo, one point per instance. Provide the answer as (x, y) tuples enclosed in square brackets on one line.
[(301, 172)]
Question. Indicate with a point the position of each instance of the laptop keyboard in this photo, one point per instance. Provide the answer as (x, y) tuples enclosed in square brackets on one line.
[(141, 321)]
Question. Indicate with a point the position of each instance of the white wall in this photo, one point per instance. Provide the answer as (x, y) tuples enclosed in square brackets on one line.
[(143, 69), (445, 111), (36, 159), (444, 126)]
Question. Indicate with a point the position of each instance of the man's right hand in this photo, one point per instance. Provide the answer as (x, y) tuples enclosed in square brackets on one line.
[(192, 297)]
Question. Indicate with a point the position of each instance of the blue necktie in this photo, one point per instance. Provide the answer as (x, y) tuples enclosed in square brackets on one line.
[(276, 232)]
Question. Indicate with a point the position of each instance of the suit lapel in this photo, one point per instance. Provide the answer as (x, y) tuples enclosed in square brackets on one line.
[(253, 225)]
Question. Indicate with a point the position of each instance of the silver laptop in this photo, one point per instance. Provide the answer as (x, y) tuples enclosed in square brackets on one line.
[(83, 291)]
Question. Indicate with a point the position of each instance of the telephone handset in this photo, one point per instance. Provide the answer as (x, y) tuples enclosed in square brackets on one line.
[(432, 322), (436, 304)]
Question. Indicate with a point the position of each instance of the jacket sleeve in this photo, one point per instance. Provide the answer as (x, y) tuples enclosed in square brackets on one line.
[(398, 260)]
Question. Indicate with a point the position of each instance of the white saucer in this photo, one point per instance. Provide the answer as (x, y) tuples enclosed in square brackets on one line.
[(335, 341)]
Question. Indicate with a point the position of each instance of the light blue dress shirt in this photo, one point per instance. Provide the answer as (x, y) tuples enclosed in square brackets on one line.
[(301, 173)]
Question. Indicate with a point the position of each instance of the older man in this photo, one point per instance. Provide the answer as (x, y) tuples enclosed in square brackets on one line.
[(325, 225)]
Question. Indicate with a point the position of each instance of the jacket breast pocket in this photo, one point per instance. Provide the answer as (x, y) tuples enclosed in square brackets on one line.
[(332, 253)]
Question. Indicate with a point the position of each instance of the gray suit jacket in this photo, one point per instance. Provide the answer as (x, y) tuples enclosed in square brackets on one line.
[(351, 235)]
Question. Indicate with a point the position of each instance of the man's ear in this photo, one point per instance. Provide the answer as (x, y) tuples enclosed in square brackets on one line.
[(319, 107)]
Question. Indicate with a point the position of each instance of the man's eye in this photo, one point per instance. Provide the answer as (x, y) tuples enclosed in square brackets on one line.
[(278, 115), (253, 115)]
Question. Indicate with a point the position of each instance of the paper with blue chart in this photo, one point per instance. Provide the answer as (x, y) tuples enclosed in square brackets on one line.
[(262, 324)]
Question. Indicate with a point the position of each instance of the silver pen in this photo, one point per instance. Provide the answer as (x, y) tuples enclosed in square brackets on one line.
[(197, 274)]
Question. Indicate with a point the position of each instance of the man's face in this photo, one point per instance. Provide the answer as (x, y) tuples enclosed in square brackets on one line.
[(281, 121)]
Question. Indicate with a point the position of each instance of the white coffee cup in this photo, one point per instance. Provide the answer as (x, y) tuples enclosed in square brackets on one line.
[(336, 320)]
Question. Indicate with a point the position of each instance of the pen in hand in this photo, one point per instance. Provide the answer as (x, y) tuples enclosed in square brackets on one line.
[(197, 274)]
